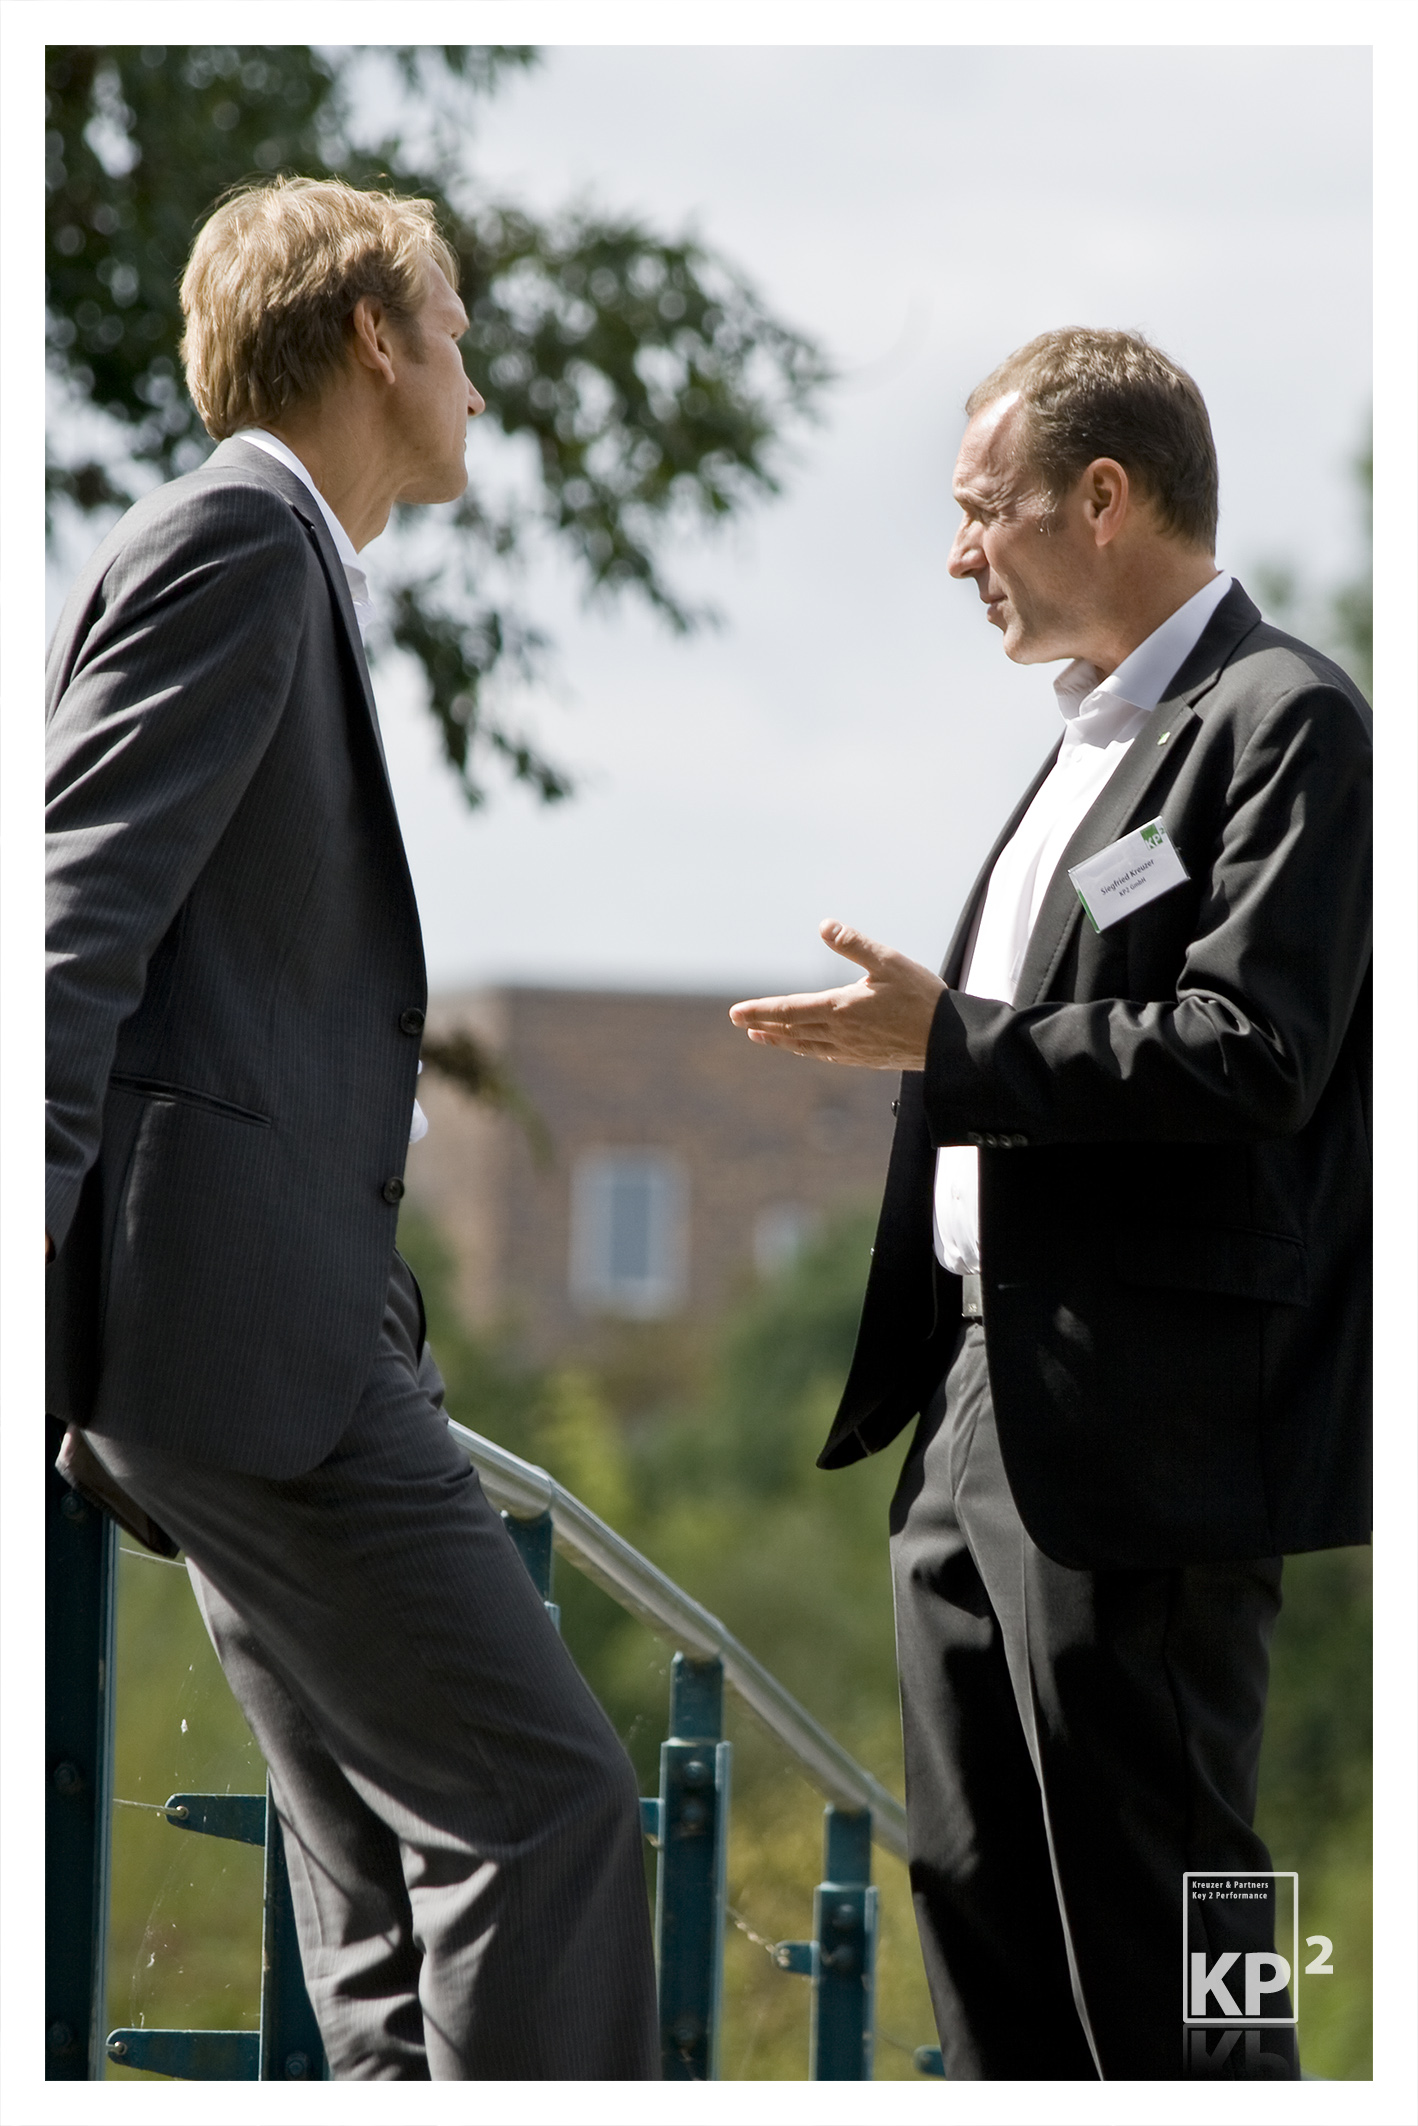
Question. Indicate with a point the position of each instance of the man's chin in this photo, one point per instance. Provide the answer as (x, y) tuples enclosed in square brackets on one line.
[(1014, 639), (1022, 648), (445, 486)]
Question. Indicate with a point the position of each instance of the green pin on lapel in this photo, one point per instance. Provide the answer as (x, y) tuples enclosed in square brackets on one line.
[(1163, 739)]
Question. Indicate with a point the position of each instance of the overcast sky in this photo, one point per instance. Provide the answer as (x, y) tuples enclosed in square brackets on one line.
[(848, 743)]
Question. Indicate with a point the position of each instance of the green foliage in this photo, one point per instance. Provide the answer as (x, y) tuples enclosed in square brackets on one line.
[(184, 1945), (722, 1493), (1352, 606), (1340, 621), (719, 1489), (711, 1475), (731, 1504), (1316, 1782), (1317, 1769), (782, 1353), (1337, 1899), (775, 1858), (649, 380), (140, 141)]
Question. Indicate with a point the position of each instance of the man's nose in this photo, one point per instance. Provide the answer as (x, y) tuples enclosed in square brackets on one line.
[(476, 402), (966, 559)]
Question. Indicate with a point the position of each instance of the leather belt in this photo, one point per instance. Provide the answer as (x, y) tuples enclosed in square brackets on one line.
[(972, 1301)]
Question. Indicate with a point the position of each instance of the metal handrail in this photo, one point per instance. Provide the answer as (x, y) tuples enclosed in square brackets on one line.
[(687, 1820), (605, 1557)]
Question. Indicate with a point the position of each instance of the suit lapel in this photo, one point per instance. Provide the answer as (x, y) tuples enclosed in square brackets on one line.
[(1123, 796), (252, 459), (1102, 823)]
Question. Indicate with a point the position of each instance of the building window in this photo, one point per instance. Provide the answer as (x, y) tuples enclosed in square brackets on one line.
[(628, 1233)]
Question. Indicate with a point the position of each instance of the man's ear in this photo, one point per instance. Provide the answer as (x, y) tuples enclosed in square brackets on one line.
[(1106, 499), (371, 339)]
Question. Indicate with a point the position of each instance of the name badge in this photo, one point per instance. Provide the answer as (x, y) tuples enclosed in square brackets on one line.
[(1127, 875)]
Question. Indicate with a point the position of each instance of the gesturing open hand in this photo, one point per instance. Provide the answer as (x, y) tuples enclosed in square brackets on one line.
[(881, 1022)]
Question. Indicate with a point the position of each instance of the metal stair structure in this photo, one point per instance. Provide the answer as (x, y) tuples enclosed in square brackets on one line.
[(686, 1822)]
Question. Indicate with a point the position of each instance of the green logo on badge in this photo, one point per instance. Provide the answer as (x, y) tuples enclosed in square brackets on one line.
[(1153, 835)]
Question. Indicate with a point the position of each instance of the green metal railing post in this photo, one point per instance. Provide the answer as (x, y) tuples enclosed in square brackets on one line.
[(81, 1551), (692, 1821), (533, 1538), (841, 1957), (287, 2048), (291, 2049), (687, 1821), (844, 1967)]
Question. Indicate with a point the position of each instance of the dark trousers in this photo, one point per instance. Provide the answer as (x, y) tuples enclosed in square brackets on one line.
[(1075, 1742), (461, 1824)]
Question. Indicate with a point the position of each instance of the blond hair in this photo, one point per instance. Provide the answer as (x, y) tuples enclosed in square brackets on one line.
[(272, 283), (1090, 393)]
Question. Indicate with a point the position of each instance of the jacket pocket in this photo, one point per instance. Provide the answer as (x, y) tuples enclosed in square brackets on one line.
[(1229, 1260), (157, 1089), (1219, 1259), (190, 1224)]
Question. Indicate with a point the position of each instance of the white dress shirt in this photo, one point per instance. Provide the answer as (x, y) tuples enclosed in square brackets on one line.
[(1101, 719), (359, 598), (349, 559)]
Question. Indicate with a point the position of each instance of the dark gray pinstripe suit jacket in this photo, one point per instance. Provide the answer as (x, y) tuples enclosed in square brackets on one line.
[(233, 943)]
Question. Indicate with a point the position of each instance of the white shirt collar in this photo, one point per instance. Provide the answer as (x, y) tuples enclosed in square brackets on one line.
[(1098, 712), (355, 576)]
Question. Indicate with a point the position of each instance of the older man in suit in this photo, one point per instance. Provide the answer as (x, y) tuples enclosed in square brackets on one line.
[(236, 995), (1122, 1267)]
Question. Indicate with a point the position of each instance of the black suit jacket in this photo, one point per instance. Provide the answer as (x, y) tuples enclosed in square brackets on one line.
[(236, 981), (1173, 1122)]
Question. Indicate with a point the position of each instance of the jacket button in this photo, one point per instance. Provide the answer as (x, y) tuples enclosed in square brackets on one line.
[(974, 1137), (1017, 1140), (411, 1022), (393, 1189), (896, 1107)]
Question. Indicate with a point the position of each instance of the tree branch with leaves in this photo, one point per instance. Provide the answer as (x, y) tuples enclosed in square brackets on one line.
[(652, 381)]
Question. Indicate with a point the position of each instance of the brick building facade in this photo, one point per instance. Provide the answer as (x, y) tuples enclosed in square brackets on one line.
[(675, 1160)]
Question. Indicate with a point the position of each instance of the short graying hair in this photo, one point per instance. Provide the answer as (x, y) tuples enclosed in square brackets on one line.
[(1090, 394)]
